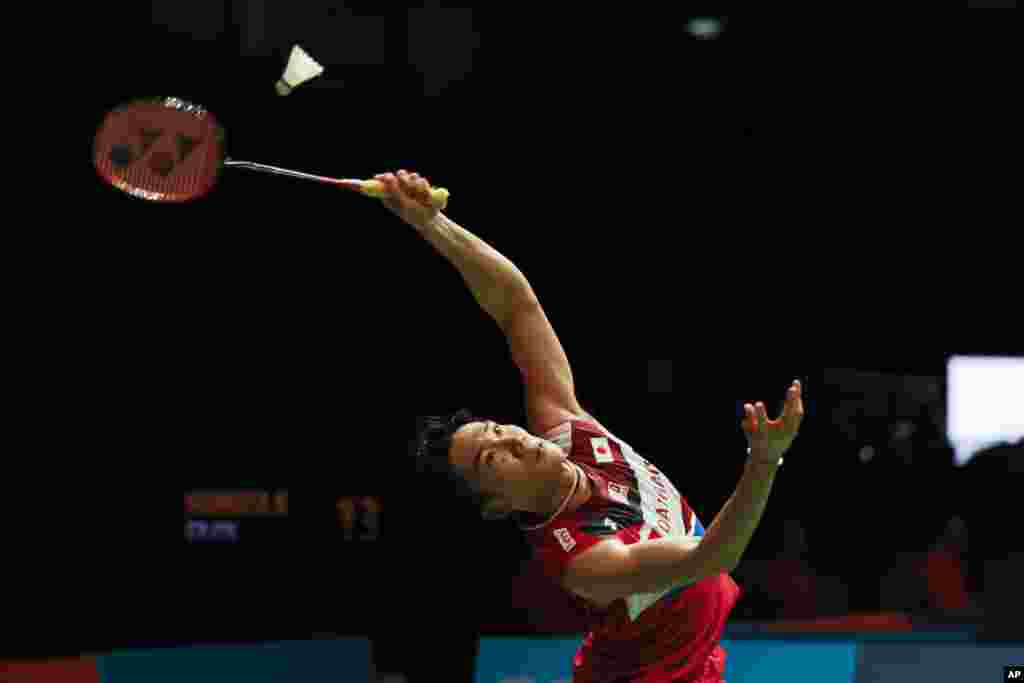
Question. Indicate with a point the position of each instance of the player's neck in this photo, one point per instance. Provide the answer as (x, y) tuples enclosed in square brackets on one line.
[(582, 494), (572, 491)]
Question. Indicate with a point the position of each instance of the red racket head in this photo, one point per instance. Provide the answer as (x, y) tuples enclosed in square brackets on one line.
[(162, 149)]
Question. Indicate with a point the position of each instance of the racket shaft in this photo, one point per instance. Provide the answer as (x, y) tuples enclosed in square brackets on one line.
[(373, 188), (264, 168)]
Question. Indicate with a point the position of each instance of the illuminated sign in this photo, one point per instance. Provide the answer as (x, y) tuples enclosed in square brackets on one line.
[(236, 503), (359, 517), (221, 531)]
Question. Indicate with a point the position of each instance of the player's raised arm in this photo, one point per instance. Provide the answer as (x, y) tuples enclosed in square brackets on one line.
[(495, 282), (611, 570), (734, 526), (502, 291)]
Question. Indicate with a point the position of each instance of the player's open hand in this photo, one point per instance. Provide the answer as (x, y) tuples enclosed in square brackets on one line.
[(769, 439), (409, 197)]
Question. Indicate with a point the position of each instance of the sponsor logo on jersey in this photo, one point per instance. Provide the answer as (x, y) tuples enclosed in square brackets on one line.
[(602, 451), (618, 493), (565, 539)]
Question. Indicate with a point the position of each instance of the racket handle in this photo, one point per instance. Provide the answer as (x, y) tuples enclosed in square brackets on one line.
[(375, 188)]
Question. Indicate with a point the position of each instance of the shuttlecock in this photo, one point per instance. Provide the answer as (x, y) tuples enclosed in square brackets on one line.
[(301, 67)]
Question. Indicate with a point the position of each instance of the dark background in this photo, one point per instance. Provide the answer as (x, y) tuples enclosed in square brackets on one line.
[(796, 195)]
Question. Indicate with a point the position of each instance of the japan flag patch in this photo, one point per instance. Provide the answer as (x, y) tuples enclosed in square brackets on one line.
[(602, 451)]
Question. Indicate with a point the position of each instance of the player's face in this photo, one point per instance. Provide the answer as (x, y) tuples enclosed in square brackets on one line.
[(506, 461)]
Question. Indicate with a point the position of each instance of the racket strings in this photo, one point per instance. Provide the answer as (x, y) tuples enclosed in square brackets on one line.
[(158, 152), (167, 150)]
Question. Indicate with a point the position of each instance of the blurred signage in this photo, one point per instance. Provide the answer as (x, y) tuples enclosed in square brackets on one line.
[(358, 517), (236, 503), (201, 530)]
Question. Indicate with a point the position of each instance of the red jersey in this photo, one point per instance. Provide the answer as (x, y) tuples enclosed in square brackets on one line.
[(648, 637)]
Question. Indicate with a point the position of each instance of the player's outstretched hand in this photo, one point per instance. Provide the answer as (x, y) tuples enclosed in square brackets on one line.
[(769, 439), (409, 197)]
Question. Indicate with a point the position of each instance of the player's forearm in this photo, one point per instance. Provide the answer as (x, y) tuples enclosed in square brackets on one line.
[(495, 282), (658, 565), (730, 532)]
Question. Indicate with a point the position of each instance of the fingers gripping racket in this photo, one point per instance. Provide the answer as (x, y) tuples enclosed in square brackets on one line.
[(164, 149)]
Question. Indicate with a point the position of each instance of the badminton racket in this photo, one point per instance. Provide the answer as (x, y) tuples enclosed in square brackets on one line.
[(164, 149)]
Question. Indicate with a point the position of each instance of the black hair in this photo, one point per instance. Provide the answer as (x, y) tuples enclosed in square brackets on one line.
[(432, 449)]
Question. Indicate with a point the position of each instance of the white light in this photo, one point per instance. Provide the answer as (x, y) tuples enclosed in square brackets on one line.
[(704, 27), (985, 403)]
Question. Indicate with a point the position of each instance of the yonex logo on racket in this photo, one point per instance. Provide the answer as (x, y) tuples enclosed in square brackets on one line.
[(141, 146), (124, 154)]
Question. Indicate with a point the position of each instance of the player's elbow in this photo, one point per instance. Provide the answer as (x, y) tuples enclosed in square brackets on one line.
[(604, 573), (727, 567), (724, 562), (616, 571), (666, 564)]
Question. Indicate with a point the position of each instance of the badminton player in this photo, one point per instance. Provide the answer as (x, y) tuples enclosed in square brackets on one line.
[(604, 522)]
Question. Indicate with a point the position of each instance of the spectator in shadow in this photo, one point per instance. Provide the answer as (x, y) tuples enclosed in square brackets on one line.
[(932, 582), (991, 490), (787, 587), (945, 573), (907, 493)]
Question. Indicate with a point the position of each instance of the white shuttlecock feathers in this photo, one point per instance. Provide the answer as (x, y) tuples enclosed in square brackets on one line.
[(301, 67)]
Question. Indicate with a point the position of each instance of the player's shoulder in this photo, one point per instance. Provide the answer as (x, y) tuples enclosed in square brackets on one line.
[(556, 421), (567, 423)]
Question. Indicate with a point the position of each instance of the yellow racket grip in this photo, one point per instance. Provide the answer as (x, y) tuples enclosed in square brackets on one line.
[(375, 188)]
